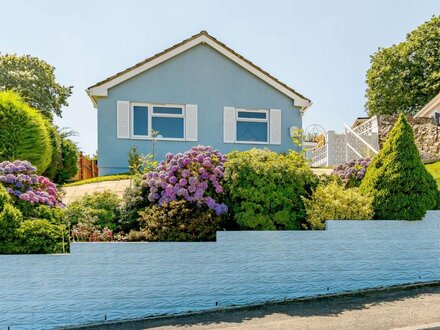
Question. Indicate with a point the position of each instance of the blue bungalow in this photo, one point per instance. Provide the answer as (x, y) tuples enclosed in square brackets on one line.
[(196, 92)]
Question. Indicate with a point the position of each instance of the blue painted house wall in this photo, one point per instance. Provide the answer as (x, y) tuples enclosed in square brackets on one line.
[(200, 76)]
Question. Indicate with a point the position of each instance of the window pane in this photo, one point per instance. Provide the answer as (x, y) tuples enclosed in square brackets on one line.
[(168, 127), (170, 111), (259, 115), (251, 132), (140, 120)]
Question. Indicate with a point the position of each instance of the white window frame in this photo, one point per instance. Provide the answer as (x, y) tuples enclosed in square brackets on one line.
[(168, 115), (253, 120), (150, 107), (132, 135)]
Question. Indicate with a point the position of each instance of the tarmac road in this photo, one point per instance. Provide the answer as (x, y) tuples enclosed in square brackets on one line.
[(410, 308)]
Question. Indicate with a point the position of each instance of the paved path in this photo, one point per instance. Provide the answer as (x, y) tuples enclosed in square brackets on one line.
[(73, 193), (415, 308)]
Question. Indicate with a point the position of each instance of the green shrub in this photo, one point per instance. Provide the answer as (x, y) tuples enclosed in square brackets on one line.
[(41, 236), (139, 163), (397, 180), (23, 132), (133, 202), (333, 202), (56, 163), (177, 221), (101, 206), (5, 197), (69, 154), (87, 230), (264, 189), (10, 220)]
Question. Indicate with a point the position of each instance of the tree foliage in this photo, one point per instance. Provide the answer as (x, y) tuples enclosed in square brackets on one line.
[(69, 159), (397, 180), (406, 76), (23, 132), (34, 80)]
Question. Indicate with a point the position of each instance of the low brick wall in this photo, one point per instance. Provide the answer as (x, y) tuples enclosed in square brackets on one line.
[(116, 281)]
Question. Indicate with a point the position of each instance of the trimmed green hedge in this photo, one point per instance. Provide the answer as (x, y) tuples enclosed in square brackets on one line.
[(23, 132)]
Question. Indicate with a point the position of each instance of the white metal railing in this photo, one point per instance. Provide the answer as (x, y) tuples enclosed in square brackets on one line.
[(357, 146), (368, 127), (319, 156)]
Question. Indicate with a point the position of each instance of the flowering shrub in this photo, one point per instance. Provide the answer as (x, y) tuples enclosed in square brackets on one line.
[(87, 231), (195, 176), (20, 180), (352, 172)]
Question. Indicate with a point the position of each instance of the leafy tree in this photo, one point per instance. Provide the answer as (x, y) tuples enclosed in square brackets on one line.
[(397, 180), (69, 156), (34, 80), (23, 132), (406, 76)]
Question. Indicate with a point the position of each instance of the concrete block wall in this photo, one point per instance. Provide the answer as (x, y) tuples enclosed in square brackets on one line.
[(116, 281)]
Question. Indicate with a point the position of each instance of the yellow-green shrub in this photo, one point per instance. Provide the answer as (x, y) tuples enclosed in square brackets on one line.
[(333, 202), (23, 133)]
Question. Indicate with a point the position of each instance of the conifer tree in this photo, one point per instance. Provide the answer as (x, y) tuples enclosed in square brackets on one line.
[(401, 186)]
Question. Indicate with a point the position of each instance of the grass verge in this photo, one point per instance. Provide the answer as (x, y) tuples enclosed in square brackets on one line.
[(117, 177)]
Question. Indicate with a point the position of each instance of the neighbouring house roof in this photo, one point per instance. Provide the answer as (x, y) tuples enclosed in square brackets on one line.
[(100, 89), (431, 107)]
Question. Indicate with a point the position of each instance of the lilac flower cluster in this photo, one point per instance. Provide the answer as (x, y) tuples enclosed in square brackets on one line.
[(20, 180), (195, 175), (353, 171)]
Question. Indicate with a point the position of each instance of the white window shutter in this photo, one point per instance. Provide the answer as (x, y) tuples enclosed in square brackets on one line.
[(275, 126), (191, 122), (123, 119), (229, 126)]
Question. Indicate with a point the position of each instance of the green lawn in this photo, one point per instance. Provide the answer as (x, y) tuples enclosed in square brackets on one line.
[(434, 169), (100, 179)]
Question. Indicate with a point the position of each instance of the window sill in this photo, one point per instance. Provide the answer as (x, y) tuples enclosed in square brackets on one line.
[(147, 138), (250, 142)]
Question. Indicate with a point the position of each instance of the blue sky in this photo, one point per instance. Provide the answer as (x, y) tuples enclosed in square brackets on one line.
[(320, 48)]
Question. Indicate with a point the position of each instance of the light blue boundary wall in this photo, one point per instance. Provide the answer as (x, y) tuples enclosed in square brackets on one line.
[(116, 281)]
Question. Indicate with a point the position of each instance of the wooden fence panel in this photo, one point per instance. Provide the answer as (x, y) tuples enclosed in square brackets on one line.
[(87, 168)]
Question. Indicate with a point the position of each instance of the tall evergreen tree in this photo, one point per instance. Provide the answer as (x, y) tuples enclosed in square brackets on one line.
[(398, 181)]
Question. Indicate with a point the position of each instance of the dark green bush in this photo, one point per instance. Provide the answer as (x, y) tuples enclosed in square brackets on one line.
[(103, 207), (177, 221), (23, 132), (399, 183), (133, 202), (69, 155), (264, 189)]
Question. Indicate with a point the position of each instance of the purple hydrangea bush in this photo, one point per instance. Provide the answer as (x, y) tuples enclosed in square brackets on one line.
[(352, 172), (21, 181), (195, 176)]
